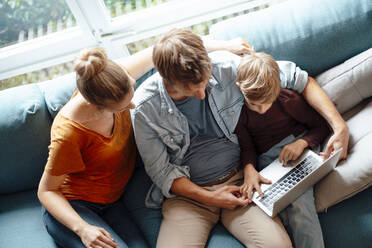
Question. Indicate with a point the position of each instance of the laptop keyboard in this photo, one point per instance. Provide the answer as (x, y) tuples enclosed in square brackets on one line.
[(287, 182)]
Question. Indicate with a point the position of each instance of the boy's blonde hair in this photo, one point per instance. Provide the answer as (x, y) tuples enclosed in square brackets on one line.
[(180, 56), (259, 77)]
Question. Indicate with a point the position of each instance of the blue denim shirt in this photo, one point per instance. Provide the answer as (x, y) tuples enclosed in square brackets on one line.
[(162, 131)]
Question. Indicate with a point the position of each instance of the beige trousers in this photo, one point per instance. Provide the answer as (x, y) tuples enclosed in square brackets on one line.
[(187, 223)]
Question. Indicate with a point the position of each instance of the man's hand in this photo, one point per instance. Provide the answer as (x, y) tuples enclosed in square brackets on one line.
[(252, 180), (339, 139), (93, 236), (225, 198), (239, 46), (292, 151)]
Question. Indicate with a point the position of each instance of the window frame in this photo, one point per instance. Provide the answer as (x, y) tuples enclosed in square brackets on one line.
[(95, 27)]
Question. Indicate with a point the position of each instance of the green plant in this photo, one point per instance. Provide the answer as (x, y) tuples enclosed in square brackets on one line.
[(18, 15)]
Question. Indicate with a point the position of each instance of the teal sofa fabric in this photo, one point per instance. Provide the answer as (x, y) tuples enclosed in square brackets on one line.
[(349, 223), (316, 34), (24, 128), (21, 225), (57, 92)]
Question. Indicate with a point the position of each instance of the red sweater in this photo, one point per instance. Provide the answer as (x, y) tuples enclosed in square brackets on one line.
[(289, 114)]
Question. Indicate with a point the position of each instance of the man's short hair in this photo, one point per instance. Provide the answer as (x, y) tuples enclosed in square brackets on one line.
[(259, 77), (180, 56)]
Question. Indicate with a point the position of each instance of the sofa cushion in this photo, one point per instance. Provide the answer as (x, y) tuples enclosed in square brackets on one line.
[(355, 173), (58, 91), (25, 136), (21, 222), (350, 82), (316, 38)]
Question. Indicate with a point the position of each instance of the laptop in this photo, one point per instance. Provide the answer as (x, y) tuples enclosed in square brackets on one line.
[(291, 181)]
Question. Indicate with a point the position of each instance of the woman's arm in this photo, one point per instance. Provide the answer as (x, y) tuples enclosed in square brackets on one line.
[(141, 62), (58, 206), (238, 45), (319, 100)]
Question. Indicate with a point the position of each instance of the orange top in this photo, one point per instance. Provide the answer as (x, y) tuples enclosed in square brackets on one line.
[(97, 167)]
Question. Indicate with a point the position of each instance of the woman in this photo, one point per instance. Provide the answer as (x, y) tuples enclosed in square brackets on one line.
[(92, 153), (91, 158)]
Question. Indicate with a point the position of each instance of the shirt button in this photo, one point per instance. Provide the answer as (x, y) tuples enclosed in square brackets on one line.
[(233, 112), (172, 140)]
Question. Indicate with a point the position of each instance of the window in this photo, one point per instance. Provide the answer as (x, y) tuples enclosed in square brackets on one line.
[(121, 7), (199, 28), (37, 76), (22, 20), (38, 36)]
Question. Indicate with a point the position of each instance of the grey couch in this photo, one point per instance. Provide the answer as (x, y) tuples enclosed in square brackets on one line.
[(319, 35)]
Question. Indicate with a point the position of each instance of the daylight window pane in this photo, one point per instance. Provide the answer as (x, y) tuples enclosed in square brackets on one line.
[(37, 76), (121, 7), (22, 20), (200, 29)]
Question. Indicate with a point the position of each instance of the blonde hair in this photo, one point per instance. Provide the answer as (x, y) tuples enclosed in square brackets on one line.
[(180, 56), (99, 79), (259, 77)]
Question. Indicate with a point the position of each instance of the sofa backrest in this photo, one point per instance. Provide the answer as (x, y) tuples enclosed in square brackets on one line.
[(24, 135), (316, 34), (26, 115)]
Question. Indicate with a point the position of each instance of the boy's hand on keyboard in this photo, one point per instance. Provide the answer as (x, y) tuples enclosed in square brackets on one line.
[(252, 181), (292, 151)]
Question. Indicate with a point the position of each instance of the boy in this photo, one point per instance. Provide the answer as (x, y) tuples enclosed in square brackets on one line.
[(277, 122)]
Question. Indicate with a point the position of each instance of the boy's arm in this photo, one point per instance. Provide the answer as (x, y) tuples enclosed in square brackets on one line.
[(292, 77), (299, 110), (247, 150), (319, 100), (248, 157)]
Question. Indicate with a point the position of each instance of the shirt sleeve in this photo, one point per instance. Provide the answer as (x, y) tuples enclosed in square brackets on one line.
[(64, 157), (247, 150), (298, 108), (224, 67), (292, 77), (154, 154)]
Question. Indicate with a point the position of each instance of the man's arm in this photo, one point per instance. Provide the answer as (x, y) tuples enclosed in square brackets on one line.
[(319, 100), (141, 62), (223, 197), (238, 45), (171, 178)]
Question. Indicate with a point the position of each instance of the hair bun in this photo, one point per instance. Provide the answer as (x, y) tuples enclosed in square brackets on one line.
[(89, 62)]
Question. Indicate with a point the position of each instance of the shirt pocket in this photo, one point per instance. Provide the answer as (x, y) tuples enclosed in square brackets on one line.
[(174, 145), (230, 114)]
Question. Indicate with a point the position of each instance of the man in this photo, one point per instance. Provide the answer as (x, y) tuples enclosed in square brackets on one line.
[(194, 95)]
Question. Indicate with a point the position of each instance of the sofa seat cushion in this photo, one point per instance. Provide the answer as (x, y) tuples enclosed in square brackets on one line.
[(25, 136), (355, 173), (349, 223), (21, 222)]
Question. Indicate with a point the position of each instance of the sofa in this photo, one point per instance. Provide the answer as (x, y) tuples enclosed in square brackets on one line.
[(331, 39)]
